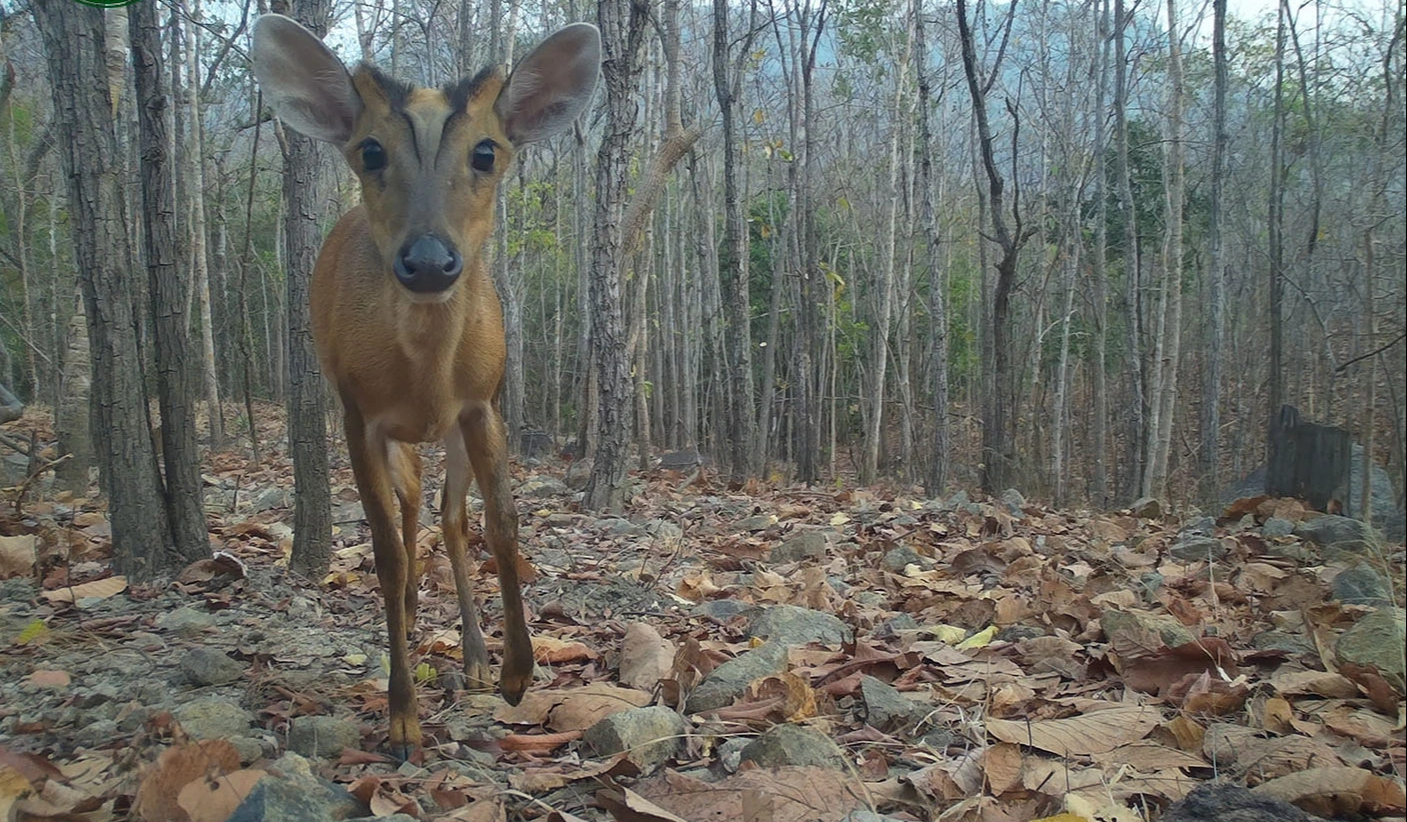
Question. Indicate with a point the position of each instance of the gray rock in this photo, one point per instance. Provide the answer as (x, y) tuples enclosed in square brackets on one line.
[(956, 501), (1147, 508), (664, 531), (291, 793), (213, 718), (1300, 552), (271, 498), (1277, 527), (1335, 531), (721, 610), (1172, 632), (802, 545), (792, 625), (1194, 548), (207, 666), (578, 474), (796, 745), (248, 747), (761, 522), (730, 753), (1223, 802), (898, 558), (322, 736), (186, 621), (729, 680), (1377, 640), (1362, 584), (619, 527), (886, 709), (649, 737), (1274, 640), (1014, 501), (1201, 526), (543, 487)]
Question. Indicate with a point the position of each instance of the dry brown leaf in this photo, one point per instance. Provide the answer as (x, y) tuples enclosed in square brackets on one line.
[(1336, 791), (580, 708), (18, 555), (157, 798), (1186, 732), (628, 806), (552, 651), (97, 589), (12, 786), (1277, 715), (487, 810), (1314, 683), (213, 801), (1261, 760), (796, 794), (538, 743), (1001, 765), (645, 657), (1091, 733), (44, 678)]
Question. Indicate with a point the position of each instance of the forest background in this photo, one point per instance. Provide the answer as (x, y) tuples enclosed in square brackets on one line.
[(1086, 249)]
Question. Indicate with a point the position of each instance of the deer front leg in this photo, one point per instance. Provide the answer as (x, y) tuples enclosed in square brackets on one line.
[(368, 450), (488, 452), (405, 478), (456, 532)]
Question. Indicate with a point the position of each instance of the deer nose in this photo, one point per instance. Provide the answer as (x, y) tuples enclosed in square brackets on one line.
[(428, 264)]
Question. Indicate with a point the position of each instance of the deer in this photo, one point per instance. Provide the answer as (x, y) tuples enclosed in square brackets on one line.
[(405, 318)]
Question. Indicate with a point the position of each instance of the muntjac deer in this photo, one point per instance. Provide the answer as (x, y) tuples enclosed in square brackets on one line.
[(405, 318)]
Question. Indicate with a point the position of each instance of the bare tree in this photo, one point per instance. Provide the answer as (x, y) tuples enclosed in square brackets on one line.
[(1210, 453)]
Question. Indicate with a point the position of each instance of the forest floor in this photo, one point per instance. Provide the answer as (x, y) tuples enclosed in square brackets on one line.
[(770, 653)]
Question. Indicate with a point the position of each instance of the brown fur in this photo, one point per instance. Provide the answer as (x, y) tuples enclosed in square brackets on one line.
[(411, 369)]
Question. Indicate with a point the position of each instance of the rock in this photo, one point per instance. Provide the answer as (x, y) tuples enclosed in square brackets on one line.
[(248, 747), (1223, 802), (1146, 508), (1172, 632), (1276, 640), (578, 474), (543, 487), (682, 460), (729, 680), (900, 557), (619, 527), (761, 522), (886, 709), (532, 444), (1336, 532), (186, 621), (1362, 584), (291, 793), (1277, 527), (1014, 501), (1377, 640), (1298, 552), (206, 666), (721, 610), (796, 745), (322, 736), (271, 498), (956, 501), (802, 545), (792, 625), (1201, 526), (649, 737), (730, 753), (665, 531), (213, 718), (1196, 548)]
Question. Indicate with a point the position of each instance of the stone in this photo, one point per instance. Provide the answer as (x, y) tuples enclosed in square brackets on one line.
[(886, 709), (1146, 508), (649, 737), (1277, 527), (761, 522), (802, 545), (1342, 533), (729, 680), (1377, 640), (206, 666), (1014, 501), (1201, 526), (542, 488), (1172, 632), (291, 793), (796, 745), (1362, 584), (271, 498), (322, 736), (721, 610), (793, 625), (896, 559), (186, 621), (213, 718), (1224, 802), (578, 474), (1197, 548)]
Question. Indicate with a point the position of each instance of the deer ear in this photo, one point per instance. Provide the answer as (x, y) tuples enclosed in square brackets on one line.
[(552, 85), (303, 81)]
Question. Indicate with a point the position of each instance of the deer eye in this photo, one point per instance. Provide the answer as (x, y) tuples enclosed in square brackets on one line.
[(373, 156), (482, 156)]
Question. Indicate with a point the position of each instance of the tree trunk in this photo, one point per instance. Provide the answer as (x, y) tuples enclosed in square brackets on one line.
[(622, 25), (72, 417), (198, 234), (733, 260), (1276, 232), (1099, 490), (1210, 462), (73, 43), (1134, 404), (174, 353), (307, 405)]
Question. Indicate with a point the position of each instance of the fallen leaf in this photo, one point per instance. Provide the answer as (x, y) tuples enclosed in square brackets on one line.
[(17, 555), (97, 589), (645, 657), (157, 798), (1091, 733), (214, 801)]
